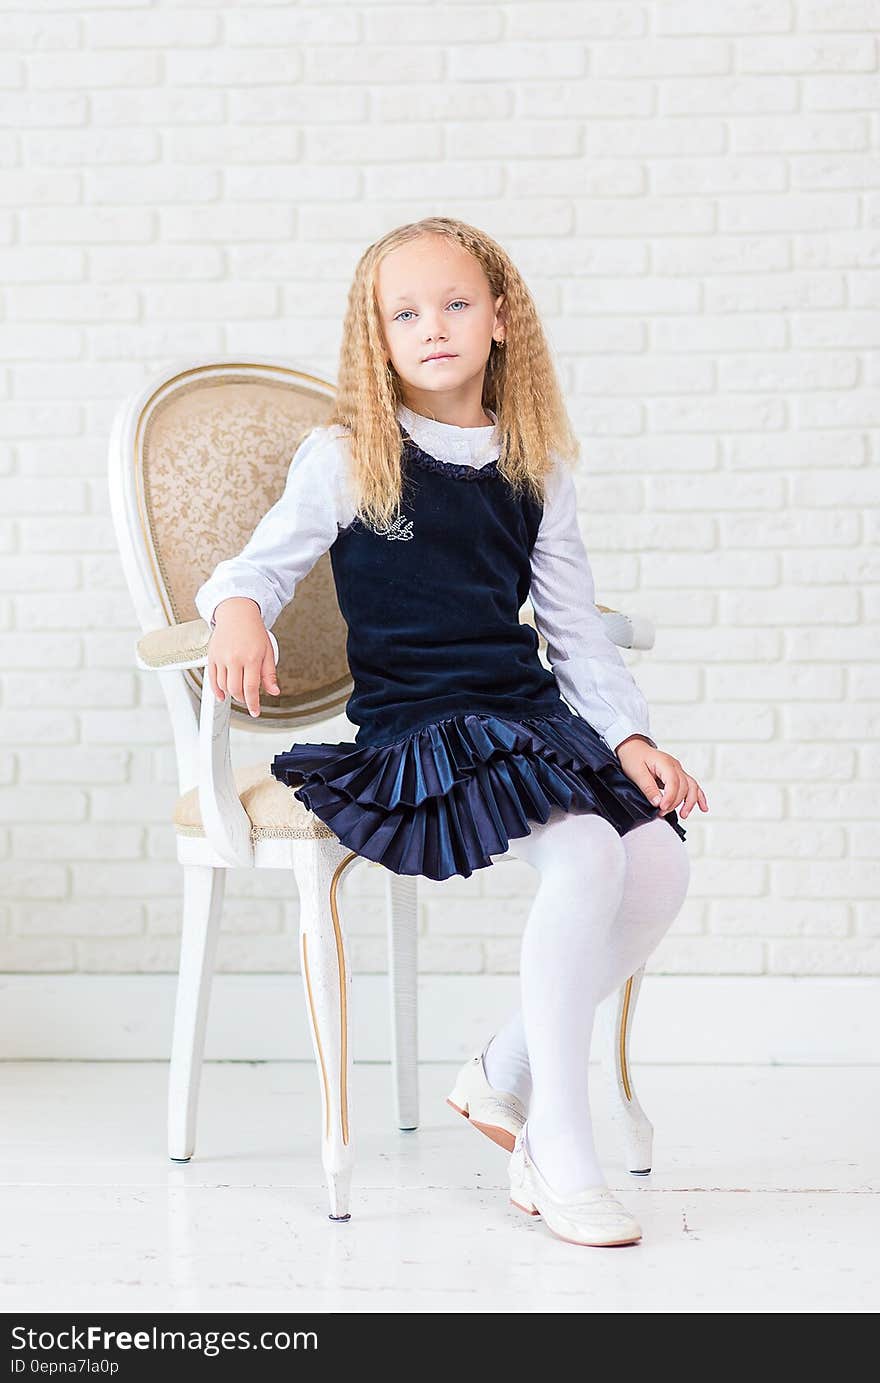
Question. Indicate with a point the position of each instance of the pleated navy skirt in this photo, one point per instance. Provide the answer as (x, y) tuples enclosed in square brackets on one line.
[(444, 799)]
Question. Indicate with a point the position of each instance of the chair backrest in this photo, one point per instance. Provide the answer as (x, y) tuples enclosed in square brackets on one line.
[(197, 459)]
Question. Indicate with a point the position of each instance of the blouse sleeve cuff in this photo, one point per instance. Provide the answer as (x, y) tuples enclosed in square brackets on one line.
[(621, 729), (207, 601)]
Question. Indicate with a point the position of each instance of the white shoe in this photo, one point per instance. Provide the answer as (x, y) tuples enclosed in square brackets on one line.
[(497, 1113), (593, 1216)]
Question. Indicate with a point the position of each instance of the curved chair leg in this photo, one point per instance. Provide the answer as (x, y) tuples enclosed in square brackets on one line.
[(402, 895), (326, 974), (203, 889), (635, 1128)]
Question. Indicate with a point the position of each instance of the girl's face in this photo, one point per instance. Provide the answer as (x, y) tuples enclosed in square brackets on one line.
[(434, 300)]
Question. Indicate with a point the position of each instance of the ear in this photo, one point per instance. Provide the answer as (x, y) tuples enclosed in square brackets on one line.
[(500, 312)]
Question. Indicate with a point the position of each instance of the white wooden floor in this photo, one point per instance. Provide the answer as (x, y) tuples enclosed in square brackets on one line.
[(765, 1197)]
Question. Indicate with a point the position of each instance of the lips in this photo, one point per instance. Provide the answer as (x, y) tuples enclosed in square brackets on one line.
[(441, 355)]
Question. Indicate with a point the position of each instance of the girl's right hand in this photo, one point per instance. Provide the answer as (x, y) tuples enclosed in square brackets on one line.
[(240, 653)]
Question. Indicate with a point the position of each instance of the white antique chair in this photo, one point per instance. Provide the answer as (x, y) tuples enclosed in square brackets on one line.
[(196, 457)]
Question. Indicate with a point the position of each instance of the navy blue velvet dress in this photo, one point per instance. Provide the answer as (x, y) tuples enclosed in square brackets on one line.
[(464, 738)]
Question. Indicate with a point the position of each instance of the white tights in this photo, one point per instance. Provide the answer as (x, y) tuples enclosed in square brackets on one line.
[(603, 903)]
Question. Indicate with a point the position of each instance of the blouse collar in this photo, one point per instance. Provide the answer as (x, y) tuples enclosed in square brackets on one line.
[(469, 446)]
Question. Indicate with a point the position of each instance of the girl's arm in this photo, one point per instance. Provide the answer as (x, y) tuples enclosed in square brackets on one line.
[(290, 537), (592, 675)]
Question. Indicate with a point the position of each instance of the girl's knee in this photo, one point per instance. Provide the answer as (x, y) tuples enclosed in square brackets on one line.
[(585, 848), (657, 854), (675, 850)]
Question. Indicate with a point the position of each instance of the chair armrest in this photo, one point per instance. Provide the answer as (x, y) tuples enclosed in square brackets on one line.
[(227, 824), (628, 631), (175, 646), (180, 646)]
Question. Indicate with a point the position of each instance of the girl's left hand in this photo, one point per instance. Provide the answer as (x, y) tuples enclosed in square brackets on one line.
[(647, 767)]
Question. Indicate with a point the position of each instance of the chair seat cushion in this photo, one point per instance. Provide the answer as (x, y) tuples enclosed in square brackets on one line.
[(272, 807)]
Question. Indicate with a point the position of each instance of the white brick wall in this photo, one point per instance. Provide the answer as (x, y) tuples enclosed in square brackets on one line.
[(693, 193)]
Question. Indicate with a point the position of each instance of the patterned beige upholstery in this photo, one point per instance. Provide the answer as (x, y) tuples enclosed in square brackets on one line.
[(181, 643), (214, 451), (271, 806)]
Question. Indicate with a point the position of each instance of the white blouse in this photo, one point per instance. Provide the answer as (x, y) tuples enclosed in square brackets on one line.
[(316, 503)]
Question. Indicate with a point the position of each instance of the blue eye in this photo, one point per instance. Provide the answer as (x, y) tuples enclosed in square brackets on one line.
[(401, 314)]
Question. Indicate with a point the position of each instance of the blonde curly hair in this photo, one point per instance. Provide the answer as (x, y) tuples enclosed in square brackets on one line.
[(519, 385)]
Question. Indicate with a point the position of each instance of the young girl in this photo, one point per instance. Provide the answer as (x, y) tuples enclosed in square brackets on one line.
[(440, 490)]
